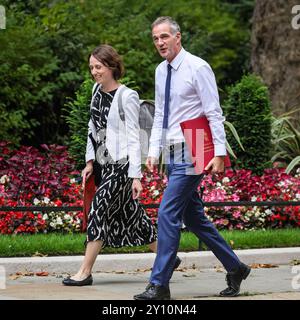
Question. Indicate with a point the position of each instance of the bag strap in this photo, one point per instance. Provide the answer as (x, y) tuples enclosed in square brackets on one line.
[(120, 98), (96, 86), (94, 91)]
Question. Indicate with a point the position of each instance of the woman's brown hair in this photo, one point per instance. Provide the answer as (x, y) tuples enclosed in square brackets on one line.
[(107, 55)]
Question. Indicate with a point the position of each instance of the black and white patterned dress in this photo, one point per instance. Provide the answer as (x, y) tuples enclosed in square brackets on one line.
[(114, 217)]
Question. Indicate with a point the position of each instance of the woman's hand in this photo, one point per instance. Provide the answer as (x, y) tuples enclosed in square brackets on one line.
[(86, 173), (136, 188), (151, 163)]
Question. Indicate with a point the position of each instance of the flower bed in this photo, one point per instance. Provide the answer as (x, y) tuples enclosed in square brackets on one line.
[(31, 177), (240, 185)]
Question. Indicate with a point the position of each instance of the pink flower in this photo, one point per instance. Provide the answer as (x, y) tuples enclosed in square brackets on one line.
[(236, 214)]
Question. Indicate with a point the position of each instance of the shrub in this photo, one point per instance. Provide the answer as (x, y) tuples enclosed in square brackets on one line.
[(248, 109), (78, 113), (45, 46), (286, 141)]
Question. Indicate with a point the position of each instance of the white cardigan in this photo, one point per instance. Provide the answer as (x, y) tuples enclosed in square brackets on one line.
[(122, 138)]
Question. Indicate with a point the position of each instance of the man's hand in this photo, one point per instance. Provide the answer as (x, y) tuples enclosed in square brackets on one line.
[(136, 188), (151, 163), (216, 165), (86, 173)]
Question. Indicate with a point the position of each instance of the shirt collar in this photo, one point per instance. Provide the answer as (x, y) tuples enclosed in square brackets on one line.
[(176, 62)]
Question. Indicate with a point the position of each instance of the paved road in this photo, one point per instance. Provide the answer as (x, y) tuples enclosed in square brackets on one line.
[(186, 284)]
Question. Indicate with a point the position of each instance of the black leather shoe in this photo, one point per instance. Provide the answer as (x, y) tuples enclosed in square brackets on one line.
[(154, 292), (234, 280), (85, 282), (177, 263)]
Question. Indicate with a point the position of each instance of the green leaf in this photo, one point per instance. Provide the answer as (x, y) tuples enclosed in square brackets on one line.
[(292, 164), (235, 134)]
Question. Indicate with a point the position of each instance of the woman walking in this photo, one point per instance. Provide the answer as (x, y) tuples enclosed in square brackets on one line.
[(113, 155)]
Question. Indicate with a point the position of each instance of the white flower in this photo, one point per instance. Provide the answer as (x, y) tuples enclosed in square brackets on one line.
[(45, 216), (46, 200), (4, 179), (281, 184), (268, 212), (36, 201), (218, 184), (253, 198), (52, 224), (59, 221), (67, 216), (298, 196), (156, 193), (225, 180)]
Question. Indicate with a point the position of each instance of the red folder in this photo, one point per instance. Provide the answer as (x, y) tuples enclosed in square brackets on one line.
[(88, 195), (199, 140)]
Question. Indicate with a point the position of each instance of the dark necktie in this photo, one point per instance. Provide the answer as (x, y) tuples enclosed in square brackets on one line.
[(167, 102)]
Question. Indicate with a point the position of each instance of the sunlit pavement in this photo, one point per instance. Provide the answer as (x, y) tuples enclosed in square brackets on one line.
[(264, 282)]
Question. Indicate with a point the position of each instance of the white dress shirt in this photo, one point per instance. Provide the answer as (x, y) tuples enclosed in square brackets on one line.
[(193, 94)]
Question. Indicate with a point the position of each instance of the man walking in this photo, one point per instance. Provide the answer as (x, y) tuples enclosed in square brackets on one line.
[(185, 88)]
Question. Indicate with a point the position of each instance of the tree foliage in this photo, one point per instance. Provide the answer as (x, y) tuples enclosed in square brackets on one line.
[(45, 46)]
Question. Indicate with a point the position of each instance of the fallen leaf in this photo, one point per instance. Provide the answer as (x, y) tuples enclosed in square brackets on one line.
[(14, 277), (219, 269), (42, 274), (24, 273), (181, 269), (262, 265), (38, 254), (143, 270)]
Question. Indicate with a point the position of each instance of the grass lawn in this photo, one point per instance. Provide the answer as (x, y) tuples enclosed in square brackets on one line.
[(53, 244)]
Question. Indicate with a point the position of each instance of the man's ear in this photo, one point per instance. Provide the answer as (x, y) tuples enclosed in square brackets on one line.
[(178, 36)]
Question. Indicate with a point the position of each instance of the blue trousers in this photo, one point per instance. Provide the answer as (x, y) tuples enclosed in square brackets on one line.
[(181, 202)]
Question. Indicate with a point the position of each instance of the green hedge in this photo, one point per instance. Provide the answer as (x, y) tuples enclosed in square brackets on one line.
[(248, 109)]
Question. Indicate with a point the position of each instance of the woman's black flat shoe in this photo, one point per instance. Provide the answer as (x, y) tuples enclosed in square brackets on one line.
[(85, 282)]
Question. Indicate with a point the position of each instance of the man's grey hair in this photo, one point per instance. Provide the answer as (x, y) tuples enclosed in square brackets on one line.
[(173, 24)]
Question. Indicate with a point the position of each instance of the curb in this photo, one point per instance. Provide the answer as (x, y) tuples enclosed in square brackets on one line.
[(144, 261)]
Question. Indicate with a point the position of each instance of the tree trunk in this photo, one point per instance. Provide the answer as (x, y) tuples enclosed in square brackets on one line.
[(276, 52)]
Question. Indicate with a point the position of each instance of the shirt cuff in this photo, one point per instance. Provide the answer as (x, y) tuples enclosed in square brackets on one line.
[(220, 150), (153, 152), (88, 158)]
